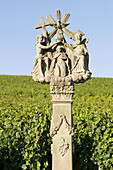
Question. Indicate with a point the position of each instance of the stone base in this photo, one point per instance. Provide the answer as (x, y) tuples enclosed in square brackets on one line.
[(61, 124)]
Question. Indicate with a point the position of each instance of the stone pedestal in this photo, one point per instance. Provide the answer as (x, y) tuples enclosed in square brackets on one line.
[(62, 124)]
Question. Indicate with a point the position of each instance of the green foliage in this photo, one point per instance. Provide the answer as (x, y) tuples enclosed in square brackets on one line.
[(25, 114), (93, 120)]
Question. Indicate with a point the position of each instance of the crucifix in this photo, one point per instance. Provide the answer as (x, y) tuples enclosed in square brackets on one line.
[(65, 65)]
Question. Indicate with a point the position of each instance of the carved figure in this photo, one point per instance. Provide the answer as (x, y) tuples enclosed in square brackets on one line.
[(41, 61), (81, 55), (66, 60), (60, 63)]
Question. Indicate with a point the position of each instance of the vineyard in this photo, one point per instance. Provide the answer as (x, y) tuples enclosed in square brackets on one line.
[(25, 115)]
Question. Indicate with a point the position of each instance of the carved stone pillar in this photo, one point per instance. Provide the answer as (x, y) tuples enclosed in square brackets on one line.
[(62, 90), (62, 64)]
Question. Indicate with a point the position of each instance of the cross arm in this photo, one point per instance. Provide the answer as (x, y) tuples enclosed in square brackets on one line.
[(40, 25), (68, 33)]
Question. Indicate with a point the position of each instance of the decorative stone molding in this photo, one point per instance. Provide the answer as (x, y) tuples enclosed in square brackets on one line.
[(62, 89), (63, 147), (63, 119)]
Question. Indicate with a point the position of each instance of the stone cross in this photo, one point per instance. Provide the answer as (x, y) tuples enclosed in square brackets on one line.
[(61, 64)]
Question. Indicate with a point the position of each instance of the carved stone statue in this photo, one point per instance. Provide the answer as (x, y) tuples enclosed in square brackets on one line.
[(61, 64), (80, 55), (41, 59), (60, 59)]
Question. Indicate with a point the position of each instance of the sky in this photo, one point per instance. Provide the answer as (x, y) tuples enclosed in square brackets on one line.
[(18, 34)]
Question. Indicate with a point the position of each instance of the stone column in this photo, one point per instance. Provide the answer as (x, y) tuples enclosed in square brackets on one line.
[(62, 90)]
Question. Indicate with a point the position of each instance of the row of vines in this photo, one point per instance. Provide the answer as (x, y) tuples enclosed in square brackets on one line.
[(25, 115)]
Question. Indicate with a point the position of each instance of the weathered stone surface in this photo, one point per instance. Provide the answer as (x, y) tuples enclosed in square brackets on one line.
[(62, 123), (60, 59), (61, 64)]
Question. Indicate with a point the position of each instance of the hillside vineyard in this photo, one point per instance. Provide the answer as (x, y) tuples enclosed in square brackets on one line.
[(25, 114)]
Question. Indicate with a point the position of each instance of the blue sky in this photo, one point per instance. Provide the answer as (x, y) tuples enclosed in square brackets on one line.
[(18, 35)]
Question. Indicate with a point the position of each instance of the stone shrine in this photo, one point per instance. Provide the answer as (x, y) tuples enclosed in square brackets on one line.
[(61, 64)]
